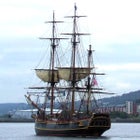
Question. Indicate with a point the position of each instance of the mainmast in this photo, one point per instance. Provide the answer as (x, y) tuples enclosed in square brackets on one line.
[(75, 41)]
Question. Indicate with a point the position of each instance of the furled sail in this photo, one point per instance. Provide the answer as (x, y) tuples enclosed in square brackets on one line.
[(66, 73), (47, 75)]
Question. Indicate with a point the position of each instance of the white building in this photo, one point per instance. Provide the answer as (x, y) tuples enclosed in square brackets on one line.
[(26, 114), (129, 107), (23, 114)]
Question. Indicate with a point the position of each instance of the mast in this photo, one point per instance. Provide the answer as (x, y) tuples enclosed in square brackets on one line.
[(75, 41), (89, 78), (52, 71), (53, 45)]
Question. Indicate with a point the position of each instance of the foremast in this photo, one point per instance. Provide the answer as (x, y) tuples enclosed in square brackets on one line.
[(51, 75), (53, 45)]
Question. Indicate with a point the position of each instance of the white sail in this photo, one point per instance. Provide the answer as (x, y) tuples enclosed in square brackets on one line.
[(46, 75), (66, 73)]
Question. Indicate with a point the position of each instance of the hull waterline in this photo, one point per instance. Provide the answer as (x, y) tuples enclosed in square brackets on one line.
[(84, 128)]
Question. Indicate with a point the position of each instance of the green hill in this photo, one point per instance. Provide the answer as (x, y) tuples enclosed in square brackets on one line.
[(118, 100), (5, 108)]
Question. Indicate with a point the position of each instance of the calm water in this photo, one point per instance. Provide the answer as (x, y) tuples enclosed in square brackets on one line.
[(25, 131)]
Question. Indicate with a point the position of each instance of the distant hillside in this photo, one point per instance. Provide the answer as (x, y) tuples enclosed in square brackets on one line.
[(6, 107), (117, 100)]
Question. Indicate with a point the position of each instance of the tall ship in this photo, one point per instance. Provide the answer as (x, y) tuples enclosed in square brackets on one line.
[(65, 102)]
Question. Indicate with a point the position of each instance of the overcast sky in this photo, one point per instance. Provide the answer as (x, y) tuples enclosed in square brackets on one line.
[(115, 30)]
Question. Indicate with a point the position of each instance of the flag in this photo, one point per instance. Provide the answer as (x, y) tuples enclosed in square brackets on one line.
[(94, 82)]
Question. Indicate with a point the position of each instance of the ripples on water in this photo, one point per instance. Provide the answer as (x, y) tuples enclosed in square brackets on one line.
[(25, 131)]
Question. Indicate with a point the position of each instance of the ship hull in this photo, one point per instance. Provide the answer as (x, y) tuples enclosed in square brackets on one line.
[(85, 132), (83, 128)]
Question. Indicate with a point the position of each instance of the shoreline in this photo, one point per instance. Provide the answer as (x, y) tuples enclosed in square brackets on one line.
[(15, 120), (20, 120), (125, 120)]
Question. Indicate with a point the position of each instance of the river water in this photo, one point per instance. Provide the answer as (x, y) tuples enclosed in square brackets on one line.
[(25, 131)]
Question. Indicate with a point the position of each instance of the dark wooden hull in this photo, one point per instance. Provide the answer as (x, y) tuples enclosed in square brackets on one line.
[(95, 126)]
